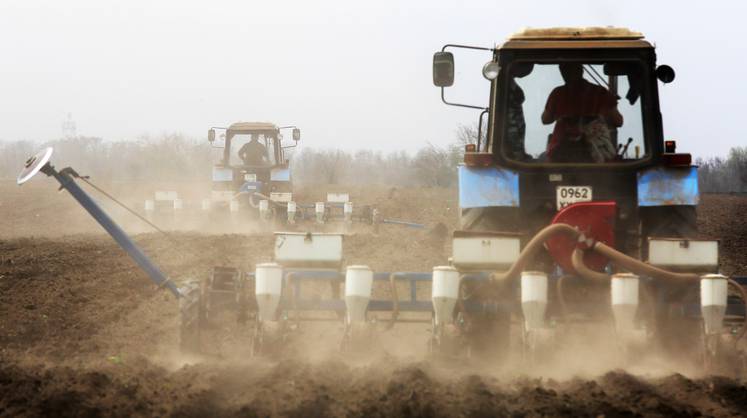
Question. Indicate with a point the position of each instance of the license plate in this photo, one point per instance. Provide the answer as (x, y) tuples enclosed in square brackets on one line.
[(567, 195)]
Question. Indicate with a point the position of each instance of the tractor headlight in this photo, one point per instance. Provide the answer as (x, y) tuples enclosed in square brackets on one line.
[(490, 70)]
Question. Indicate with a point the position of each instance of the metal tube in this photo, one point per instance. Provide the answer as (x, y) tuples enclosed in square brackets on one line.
[(67, 182), (405, 223), (443, 99), (479, 131), (478, 48)]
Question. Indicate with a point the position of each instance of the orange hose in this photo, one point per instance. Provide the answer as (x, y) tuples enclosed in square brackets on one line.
[(623, 260), (577, 259), (641, 268), (531, 249)]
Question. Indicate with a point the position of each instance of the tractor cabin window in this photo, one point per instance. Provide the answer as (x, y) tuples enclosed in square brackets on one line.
[(574, 112), (239, 140)]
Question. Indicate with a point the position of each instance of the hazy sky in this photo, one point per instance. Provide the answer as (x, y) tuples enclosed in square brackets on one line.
[(350, 74)]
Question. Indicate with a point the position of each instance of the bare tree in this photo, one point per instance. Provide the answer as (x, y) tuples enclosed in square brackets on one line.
[(466, 134), (434, 166), (724, 175), (171, 157)]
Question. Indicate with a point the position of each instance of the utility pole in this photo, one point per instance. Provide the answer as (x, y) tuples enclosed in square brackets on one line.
[(69, 129)]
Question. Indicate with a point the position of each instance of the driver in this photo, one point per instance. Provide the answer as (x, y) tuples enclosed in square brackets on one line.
[(253, 152), (581, 110)]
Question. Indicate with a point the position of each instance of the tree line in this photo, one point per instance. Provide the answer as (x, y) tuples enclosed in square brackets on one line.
[(174, 157), (724, 175), (167, 157)]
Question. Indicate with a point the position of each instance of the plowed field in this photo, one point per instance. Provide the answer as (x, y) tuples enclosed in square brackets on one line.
[(84, 333)]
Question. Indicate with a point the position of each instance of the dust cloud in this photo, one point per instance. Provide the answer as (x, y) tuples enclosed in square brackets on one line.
[(81, 321)]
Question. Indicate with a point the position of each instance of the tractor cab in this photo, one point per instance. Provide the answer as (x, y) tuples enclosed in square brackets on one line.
[(574, 142), (578, 97), (253, 161), (239, 152), (573, 116), (568, 97)]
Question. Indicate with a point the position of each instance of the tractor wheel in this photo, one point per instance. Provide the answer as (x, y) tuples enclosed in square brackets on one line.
[(191, 316), (488, 333), (674, 330)]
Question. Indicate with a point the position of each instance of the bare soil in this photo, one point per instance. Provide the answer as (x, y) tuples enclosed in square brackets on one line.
[(83, 332)]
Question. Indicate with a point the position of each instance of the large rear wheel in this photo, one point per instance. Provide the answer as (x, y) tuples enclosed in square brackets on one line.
[(488, 333), (676, 332)]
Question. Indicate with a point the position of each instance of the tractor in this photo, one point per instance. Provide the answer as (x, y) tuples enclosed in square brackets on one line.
[(258, 182), (263, 183), (575, 216), (253, 179), (574, 137)]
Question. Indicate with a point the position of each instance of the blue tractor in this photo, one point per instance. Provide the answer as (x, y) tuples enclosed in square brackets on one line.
[(577, 223), (252, 167), (574, 137)]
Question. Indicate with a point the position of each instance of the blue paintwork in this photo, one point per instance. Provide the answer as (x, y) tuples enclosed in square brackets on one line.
[(668, 186), (280, 174), (222, 174), (413, 304), (482, 187), (404, 223)]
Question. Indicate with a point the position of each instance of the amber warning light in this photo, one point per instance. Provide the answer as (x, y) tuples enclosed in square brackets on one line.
[(672, 159)]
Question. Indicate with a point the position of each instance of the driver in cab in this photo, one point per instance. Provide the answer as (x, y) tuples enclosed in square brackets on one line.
[(253, 152), (583, 113)]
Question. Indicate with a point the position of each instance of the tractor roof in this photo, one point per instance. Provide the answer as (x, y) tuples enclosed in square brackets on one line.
[(590, 37), (252, 127)]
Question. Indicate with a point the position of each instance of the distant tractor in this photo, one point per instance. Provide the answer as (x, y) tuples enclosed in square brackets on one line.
[(251, 177), (253, 170)]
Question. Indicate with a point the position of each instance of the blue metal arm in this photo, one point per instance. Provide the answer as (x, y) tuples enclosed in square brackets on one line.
[(69, 184)]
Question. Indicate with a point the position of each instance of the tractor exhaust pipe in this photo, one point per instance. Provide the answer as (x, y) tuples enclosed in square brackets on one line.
[(40, 163)]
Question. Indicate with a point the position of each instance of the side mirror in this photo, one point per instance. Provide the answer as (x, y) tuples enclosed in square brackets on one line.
[(665, 73), (211, 135), (443, 69), (296, 134)]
